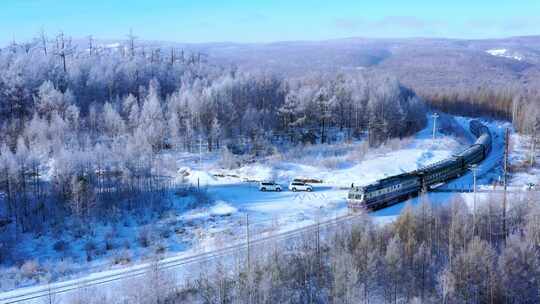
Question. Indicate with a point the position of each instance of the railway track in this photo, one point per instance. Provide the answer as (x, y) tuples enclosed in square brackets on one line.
[(36, 294), (63, 288)]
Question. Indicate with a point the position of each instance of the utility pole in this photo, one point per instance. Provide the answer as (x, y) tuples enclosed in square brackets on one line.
[(506, 138), (248, 259), (200, 150), (474, 168), (533, 148), (248, 243), (435, 116), (319, 237)]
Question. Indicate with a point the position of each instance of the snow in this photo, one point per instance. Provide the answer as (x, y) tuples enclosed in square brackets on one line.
[(235, 193), (112, 45), (347, 166), (505, 53), (222, 208), (200, 177), (497, 52), (520, 157)]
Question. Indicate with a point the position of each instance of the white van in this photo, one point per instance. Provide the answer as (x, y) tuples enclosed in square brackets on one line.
[(300, 186), (269, 186)]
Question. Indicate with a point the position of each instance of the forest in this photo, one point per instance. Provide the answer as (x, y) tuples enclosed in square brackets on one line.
[(88, 130), (91, 131), (518, 106), (431, 253)]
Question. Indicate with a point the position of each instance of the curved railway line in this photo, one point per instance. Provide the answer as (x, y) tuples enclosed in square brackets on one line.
[(394, 189)]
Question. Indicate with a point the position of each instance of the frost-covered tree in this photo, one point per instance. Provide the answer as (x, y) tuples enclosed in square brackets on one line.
[(520, 270), (394, 267), (87, 126), (474, 272), (215, 134), (113, 123), (152, 122)]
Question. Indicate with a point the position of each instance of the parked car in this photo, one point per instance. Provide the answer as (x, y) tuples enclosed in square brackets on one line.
[(300, 186), (269, 186)]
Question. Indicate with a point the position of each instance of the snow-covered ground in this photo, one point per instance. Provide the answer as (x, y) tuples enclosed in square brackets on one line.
[(329, 198), (235, 195), (505, 53), (520, 160), (338, 166)]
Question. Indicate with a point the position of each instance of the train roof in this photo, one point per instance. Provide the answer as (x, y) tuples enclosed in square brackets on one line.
[(389, 179), (470, 149), (439, 164)]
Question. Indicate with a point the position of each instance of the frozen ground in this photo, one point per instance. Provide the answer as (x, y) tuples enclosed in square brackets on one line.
[(520, 160), (338, 166), (328, 199), (234, 199)]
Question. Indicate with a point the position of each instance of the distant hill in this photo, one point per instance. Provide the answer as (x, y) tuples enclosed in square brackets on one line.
[(421, 63), (430, 66)]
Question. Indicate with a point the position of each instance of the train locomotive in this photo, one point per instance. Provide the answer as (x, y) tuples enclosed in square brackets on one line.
[(391, 190)]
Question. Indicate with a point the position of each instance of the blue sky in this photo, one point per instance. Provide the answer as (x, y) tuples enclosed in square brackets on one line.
[(265, 20)]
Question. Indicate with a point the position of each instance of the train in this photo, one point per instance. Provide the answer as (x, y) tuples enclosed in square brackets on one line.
[(394, 189)]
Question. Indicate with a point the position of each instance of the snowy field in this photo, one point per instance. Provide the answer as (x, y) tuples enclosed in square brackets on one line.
[(235, 196), (337, 166), (328, 199), (520, 159)]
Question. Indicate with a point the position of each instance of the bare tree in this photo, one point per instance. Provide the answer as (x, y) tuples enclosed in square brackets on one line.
[(43, 40), (131, 43), (91, 46), (63, 49)]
